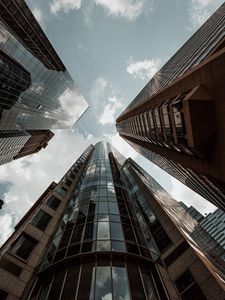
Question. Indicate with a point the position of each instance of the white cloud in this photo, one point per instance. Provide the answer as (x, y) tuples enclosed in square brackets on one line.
[(129, 9), (98, 88), (105, 101), (30, 176), (144, 69), (182, 193), (201, 10), (110, 110), (64, 5)]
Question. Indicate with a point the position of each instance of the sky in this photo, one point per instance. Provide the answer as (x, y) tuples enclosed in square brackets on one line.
[(111, 48)]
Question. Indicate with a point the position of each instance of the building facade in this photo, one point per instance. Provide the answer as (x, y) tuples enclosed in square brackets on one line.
[(193, 212), (214, 225), (36, 91), (15, 144), (177, 120), (107, 230)]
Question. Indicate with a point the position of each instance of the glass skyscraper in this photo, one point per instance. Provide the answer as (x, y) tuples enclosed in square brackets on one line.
[(176, 121), (107, 230), (37, 91)]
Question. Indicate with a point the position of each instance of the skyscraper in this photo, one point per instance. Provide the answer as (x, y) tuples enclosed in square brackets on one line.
[(193, 212), (36, 90), (214, 225), (177, 120), (15, 144), (107, 230)]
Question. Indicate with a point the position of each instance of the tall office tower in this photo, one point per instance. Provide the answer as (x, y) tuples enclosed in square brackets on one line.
[(177, 120), (214, 225), (15, 144), (36, 90), (193, 212), (107, 230)]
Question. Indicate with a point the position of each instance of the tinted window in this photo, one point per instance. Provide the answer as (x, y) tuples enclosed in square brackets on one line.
[(24, 245), (188, 287), (53, 202), (41, 219)]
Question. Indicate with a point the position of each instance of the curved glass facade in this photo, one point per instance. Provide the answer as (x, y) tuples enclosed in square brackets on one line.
[(103, 242)]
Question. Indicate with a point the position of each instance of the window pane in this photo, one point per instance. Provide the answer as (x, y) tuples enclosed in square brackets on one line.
[(103, 245), (116, 231), (24, 246), (85, 282), (149, 287), (103, 288), (41, 219), (136, 287), (103, 207), (113, 208), (57, 285), (70, 285), (118, 246), (53, 202), (120, 283), (184, 281), (103, 230)]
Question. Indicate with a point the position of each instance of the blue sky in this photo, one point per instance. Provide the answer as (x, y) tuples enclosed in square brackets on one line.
[(111, 48)]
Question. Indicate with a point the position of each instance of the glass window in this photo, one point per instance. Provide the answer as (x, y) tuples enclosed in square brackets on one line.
[(103, 245), (118, 246), (103, 289), (113, 208), (149, 287), (103, 231), (116, 231), (57, 285), (187, 287), (53, 202), (120, 283), (103, 207), (23, 246), (136, 286), (41, 219), (184, 281), (69, 290), (85, 282), (44, 288)]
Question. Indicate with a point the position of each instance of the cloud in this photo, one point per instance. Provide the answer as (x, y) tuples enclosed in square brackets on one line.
[(98, 88), (30, 176), (109, 112), (200, 10), (57, 6), (144, 69), (105, 101), (182, 193), (129, 9)]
